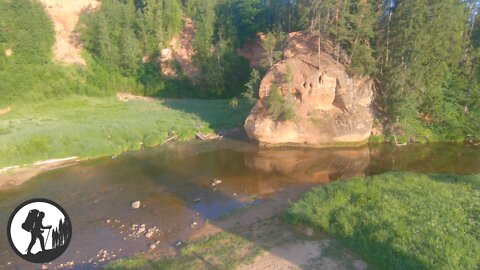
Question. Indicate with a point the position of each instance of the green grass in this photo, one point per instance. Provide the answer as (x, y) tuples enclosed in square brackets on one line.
[(400, 220), (90, 127), (221, 251)]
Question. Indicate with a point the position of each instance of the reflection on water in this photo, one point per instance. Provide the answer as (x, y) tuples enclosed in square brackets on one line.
[(431, 158), (174, 185)]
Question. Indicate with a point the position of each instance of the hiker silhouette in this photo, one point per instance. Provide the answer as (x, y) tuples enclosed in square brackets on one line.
[(34, 224), (32, 218)]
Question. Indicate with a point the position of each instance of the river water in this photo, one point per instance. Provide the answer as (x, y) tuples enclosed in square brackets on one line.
[(174, 185)]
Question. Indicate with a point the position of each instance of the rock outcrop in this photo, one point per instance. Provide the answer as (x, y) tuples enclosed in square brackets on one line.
[(181, 50), (331, 107)]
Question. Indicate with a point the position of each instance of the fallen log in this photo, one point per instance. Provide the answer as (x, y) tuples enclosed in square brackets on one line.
[(205, 137)]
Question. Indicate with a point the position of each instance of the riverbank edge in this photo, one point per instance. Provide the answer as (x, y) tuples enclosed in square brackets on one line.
[(18, 174), (343, 196)]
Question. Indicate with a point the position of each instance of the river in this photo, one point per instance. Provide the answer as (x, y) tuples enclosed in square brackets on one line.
[(174, 185)]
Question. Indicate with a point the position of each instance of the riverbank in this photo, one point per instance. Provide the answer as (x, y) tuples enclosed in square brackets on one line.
[(400, 220), (265, 244), (87, 127), (255, 238), (256, 187), (393, 220)]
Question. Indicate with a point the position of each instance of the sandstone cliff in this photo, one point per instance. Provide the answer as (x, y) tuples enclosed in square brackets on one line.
[(330, 106)]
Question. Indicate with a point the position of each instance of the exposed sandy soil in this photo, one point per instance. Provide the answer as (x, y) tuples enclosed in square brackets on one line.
[(8, 51), (5, 110), (16, 175), (65, 15), (127, 97), (253, 51), (181, 50), (286, 247)]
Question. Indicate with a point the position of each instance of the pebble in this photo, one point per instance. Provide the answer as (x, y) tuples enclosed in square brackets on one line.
[(197, 200), (136, 204), (216, 182), (44, 267), (153, 246)]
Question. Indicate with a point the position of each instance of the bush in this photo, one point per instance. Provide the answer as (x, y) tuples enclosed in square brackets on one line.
[(280, 108)]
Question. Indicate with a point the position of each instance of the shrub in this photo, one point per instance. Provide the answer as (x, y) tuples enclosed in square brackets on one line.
[(280, 108)]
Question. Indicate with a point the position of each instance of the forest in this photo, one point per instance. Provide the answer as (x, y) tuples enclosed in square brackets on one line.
[(422, 54), (351, 142)]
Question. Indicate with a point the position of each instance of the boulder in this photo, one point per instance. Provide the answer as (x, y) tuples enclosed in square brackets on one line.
[(331, 106)]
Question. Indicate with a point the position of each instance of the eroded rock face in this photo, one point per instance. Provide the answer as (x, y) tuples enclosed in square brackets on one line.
[(65, 15), (330, 105)]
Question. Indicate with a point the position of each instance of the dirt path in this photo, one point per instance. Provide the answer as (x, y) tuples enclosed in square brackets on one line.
[(297, 248), (5, 110), (285, 246), (65, 15), (127, 97)]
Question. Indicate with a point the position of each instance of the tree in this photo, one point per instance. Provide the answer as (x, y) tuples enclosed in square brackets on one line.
[(272, 44), (280, 108), (252, 86), (428, 46)]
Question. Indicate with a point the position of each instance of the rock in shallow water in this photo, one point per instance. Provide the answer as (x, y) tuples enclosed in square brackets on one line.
[(136, 204)]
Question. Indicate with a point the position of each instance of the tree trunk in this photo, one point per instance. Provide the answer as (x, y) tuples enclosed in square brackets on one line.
[(388, 30), (319, 32), (337, 11)]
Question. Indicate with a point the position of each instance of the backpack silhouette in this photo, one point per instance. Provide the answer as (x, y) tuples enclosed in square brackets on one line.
[(30, 220)]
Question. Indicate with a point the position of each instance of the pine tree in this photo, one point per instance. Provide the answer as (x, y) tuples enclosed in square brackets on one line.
[(427, 37)]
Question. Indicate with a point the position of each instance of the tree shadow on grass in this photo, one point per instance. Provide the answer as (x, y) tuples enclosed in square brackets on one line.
[(219, 114), (453, 178)]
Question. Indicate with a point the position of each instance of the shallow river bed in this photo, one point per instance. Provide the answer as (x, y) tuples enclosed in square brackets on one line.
[(176, 185)]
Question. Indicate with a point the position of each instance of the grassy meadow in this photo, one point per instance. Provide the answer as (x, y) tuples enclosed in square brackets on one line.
[(90, 127), (400, 220)]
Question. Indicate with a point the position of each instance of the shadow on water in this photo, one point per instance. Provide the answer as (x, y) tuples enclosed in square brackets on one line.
[(174, 185)]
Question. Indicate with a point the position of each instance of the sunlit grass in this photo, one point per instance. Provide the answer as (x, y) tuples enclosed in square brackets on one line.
[(400, 220), (221, 251), (92, 127)]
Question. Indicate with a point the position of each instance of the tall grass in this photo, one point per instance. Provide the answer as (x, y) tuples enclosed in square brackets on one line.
[(90, 127), (400, 220)]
